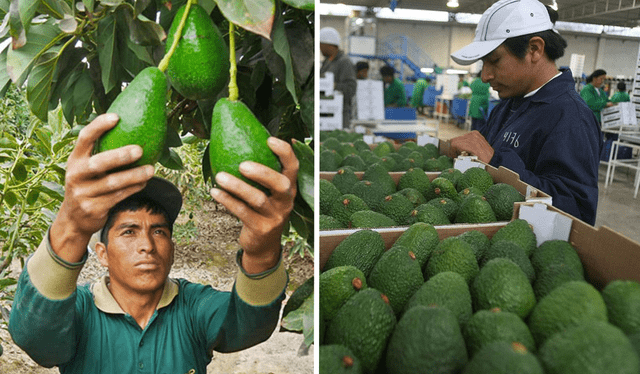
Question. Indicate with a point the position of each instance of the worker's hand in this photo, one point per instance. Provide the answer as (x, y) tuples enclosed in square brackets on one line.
[(475, 144), (609, 103), (91, 190), (263, 216)]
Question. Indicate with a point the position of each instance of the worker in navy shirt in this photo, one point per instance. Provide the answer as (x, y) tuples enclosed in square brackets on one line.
[(541, 129)]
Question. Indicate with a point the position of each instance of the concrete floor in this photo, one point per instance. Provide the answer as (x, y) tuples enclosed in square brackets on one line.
[(617, 209)]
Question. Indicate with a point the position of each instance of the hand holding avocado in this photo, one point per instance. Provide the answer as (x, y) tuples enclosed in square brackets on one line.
[(263, 216), (91, 188)]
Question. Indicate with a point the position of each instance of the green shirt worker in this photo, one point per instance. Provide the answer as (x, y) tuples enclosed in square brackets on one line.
[(593, 94), (479, 103), (136, 319), (417, 94), (394, 95), (621, 96)]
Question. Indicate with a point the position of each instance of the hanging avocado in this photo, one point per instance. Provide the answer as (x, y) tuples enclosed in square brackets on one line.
[(237, 136), (199, 67), (143, 121)]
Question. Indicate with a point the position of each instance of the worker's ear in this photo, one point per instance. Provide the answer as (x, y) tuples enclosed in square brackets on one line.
[(101, 252), (536, 48)]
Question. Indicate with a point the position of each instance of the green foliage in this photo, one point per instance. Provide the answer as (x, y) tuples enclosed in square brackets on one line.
[(32, 158)]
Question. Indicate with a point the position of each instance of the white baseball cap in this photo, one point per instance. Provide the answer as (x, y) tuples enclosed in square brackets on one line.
[(329, 35), (504, 19)]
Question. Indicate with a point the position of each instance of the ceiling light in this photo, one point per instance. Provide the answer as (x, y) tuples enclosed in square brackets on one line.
[(453, 4), (427, 70), (456, 71)]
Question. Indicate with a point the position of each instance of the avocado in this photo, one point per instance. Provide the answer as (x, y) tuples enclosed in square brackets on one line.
[(384, 149), (594, 347), (569, 304), (475, 177), (347, 149), (448, 290), (488, 326), (379, 174), (444, 162), (556, 252), (520, 232), (370, 219), (416, 157), (389, 163), (469, 191), (421, 238), (504, 358), (354, 161), (397, 207), (344, 179), (371, 192), (328, 192), (430, 214), (199, 66), (451, 174), (552, 276), (143, 121), (479, 242), (337, 285), (417, 179), (398, 275), (237, 136), (361, 146), (326, 222), (430, 151), (501, 197), (363, 324), (475, 209), (448, 206), (426, 340), (452, 254), (431, 164), (361, 249), (414, 196), (513, 252), (337, 359), (442, 187), (332, 143), (344, 206), (329, 160), (502, 284), (622, 298)]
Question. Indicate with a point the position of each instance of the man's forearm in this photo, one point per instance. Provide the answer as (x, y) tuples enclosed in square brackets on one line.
[(66, 242)]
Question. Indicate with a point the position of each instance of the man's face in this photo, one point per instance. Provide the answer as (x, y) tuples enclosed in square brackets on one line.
[(506, 73), (598, 81), (140, 251), (362, 73), (387, 78), (327, 50)]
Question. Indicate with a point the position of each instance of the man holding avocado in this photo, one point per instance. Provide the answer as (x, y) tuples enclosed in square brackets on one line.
[(137, 319)]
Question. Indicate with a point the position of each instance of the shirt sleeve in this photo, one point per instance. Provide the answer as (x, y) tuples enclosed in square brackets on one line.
[(42, 320)]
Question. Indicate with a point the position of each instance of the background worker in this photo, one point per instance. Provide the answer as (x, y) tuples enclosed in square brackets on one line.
[(593, 94), (621, 95), (336, 62), (136, 318), (394, 94), (479, 103), (362, 70), (417, 94), (541, 128)]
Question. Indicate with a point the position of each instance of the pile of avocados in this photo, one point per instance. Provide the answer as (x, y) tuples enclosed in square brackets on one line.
[(374, 199), (197, 66), (471, 304)]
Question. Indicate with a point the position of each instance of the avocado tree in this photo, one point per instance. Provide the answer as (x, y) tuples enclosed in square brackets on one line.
[(73, 58)]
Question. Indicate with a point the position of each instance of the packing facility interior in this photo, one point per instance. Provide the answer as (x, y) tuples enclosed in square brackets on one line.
[(605, 35)]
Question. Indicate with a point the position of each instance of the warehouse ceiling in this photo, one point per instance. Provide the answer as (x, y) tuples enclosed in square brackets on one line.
[(625, 13)]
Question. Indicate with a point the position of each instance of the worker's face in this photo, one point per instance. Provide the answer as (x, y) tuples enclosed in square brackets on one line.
[(362, 73), (140, 251), (508, 75), (327, 50), (598, 81), (387, 78)]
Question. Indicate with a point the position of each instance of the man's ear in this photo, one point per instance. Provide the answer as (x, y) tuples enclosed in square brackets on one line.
[(536, 48), (101, 252)]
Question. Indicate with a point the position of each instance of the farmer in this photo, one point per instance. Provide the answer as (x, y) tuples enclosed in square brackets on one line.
[(136, 319)]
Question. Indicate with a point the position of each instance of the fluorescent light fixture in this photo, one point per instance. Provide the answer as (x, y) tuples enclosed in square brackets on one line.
[(453, 3), (456, 71), (427, 70)]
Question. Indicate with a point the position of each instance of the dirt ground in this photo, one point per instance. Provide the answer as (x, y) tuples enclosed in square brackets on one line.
[(207, 257)]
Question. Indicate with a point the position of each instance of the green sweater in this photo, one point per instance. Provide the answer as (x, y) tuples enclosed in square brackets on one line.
[(394, 94), (620, 97), (595, 98), (479, 98), (417, 95)]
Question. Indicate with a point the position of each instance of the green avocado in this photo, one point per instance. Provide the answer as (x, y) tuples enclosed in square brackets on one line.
[(141, 108), (199, 66), (237, 136)]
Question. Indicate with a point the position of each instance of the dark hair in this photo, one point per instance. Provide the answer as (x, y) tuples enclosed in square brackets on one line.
[(596, 73), (554, 44), (386, 71), (133, 204), (362, 65), (622, 86)]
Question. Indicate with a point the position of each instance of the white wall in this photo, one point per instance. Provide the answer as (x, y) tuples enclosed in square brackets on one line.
[(616, 55)]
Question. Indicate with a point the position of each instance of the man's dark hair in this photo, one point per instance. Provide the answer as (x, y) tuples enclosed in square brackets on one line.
[(554, 44), (362, 65), (622, 86), (596, 73), (132, 204), (387, 71)]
